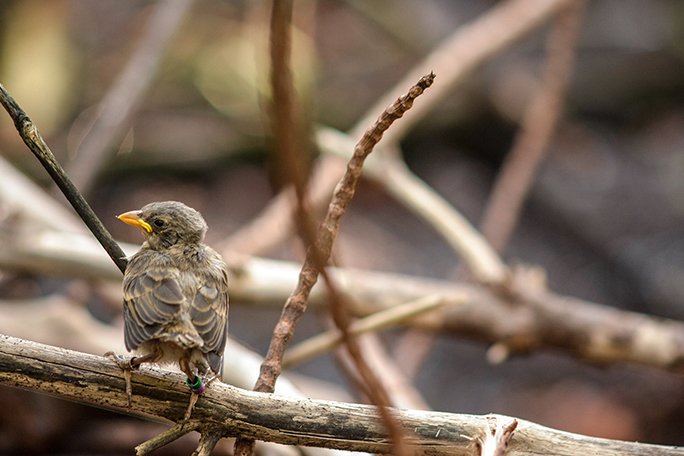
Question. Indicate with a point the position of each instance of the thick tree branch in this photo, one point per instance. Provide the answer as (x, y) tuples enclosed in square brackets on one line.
[(161, 396)]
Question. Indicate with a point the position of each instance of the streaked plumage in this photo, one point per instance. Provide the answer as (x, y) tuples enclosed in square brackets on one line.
[(175, 291)]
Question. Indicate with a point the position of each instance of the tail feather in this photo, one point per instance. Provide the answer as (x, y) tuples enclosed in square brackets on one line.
[(185, 336)]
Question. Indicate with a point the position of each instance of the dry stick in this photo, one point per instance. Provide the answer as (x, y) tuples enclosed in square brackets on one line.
[(29, 133), (514, 182), (289, 121), (400, 390), (32, 138), (402, 393), (588, 331), (456, 58), (126, 93), (286, 126), (418, 196), (166, 437), (296, 303)]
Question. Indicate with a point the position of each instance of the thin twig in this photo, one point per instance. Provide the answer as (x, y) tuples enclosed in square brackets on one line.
[(207, 443), (400, 390), (126, 93), (517, 175), (372, 386), (296, 303), (390, 317), (393, 174), (166, 437), (32, 138), (287, 123)]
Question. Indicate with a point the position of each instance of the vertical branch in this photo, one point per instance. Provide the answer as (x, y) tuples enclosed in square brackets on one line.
[(32, 138), (514, 182), (454, 59), (285, 121)]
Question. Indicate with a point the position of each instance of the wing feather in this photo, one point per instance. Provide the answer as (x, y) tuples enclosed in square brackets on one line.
[(152, 299), (209, 310)]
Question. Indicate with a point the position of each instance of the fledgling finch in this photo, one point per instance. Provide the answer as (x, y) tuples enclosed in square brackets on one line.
[(175, 291)]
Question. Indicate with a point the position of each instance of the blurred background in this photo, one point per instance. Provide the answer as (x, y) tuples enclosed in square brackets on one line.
[(605, 216)]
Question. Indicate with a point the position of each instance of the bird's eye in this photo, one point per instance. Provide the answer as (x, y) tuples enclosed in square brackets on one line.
[(158, 223)]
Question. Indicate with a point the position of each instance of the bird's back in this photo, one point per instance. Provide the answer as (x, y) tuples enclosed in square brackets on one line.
[(178, 296)]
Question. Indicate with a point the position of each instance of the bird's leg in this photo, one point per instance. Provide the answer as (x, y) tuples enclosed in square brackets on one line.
[(195, 383), (128, 364)]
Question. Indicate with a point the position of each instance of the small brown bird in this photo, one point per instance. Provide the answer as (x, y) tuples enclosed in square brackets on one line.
[(175, 291)]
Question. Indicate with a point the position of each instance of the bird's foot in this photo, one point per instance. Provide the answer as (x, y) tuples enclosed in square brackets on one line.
[(126, 365)]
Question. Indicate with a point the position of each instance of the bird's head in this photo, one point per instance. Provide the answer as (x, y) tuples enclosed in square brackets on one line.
[(167, 223)]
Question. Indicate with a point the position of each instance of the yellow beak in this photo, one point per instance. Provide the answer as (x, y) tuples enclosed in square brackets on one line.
[(133, 218)]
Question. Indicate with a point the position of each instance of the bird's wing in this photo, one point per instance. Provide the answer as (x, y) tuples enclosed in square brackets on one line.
[(152, 299), (209, 311)]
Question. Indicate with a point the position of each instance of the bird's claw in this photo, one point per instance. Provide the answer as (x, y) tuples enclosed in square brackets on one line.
[(126, 365)]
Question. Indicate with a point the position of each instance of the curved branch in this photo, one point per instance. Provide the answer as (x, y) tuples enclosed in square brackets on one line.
[(161, 395)]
